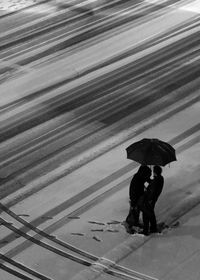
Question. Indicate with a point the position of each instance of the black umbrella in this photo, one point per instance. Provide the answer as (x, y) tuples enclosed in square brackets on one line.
[(151, 152)]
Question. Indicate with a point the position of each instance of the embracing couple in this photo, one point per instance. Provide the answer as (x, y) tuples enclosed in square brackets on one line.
[(143, 194)]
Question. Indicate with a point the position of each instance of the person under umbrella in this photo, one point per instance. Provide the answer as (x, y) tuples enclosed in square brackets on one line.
[(149, 200), (151, 151), (136, 190)]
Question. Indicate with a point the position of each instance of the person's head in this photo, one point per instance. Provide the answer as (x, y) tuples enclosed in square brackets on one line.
[(145, 171), (157, 170)]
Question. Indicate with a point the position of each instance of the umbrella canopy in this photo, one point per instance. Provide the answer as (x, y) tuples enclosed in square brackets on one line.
[(151, 152)]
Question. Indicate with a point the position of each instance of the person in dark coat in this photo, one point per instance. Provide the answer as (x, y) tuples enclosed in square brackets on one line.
[(136, 190), (150, 198)]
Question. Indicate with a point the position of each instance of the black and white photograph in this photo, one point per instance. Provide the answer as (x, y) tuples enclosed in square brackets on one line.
[(99, 139)]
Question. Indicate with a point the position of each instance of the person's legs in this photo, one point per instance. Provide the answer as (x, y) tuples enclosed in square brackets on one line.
[(133, 216), (149, 219), (132, 220), (153, 222), (152, 218), (136, 214), (129, 217), (146, 221)]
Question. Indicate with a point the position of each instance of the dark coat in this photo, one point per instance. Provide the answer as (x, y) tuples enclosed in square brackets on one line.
[(154, 189), (136, 189)]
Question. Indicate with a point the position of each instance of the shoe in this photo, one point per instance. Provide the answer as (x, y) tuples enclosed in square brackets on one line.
[(129, 229), (132, 231)]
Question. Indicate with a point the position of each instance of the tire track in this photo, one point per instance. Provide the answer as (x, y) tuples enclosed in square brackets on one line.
[(182, 105), (45, 26), (101, 26), (22, 53), (127, 274), (110, 268), (89, 88), (14, 272), (87, 192), (21, 267), (170, 88), (140, 65), (113, 114)]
